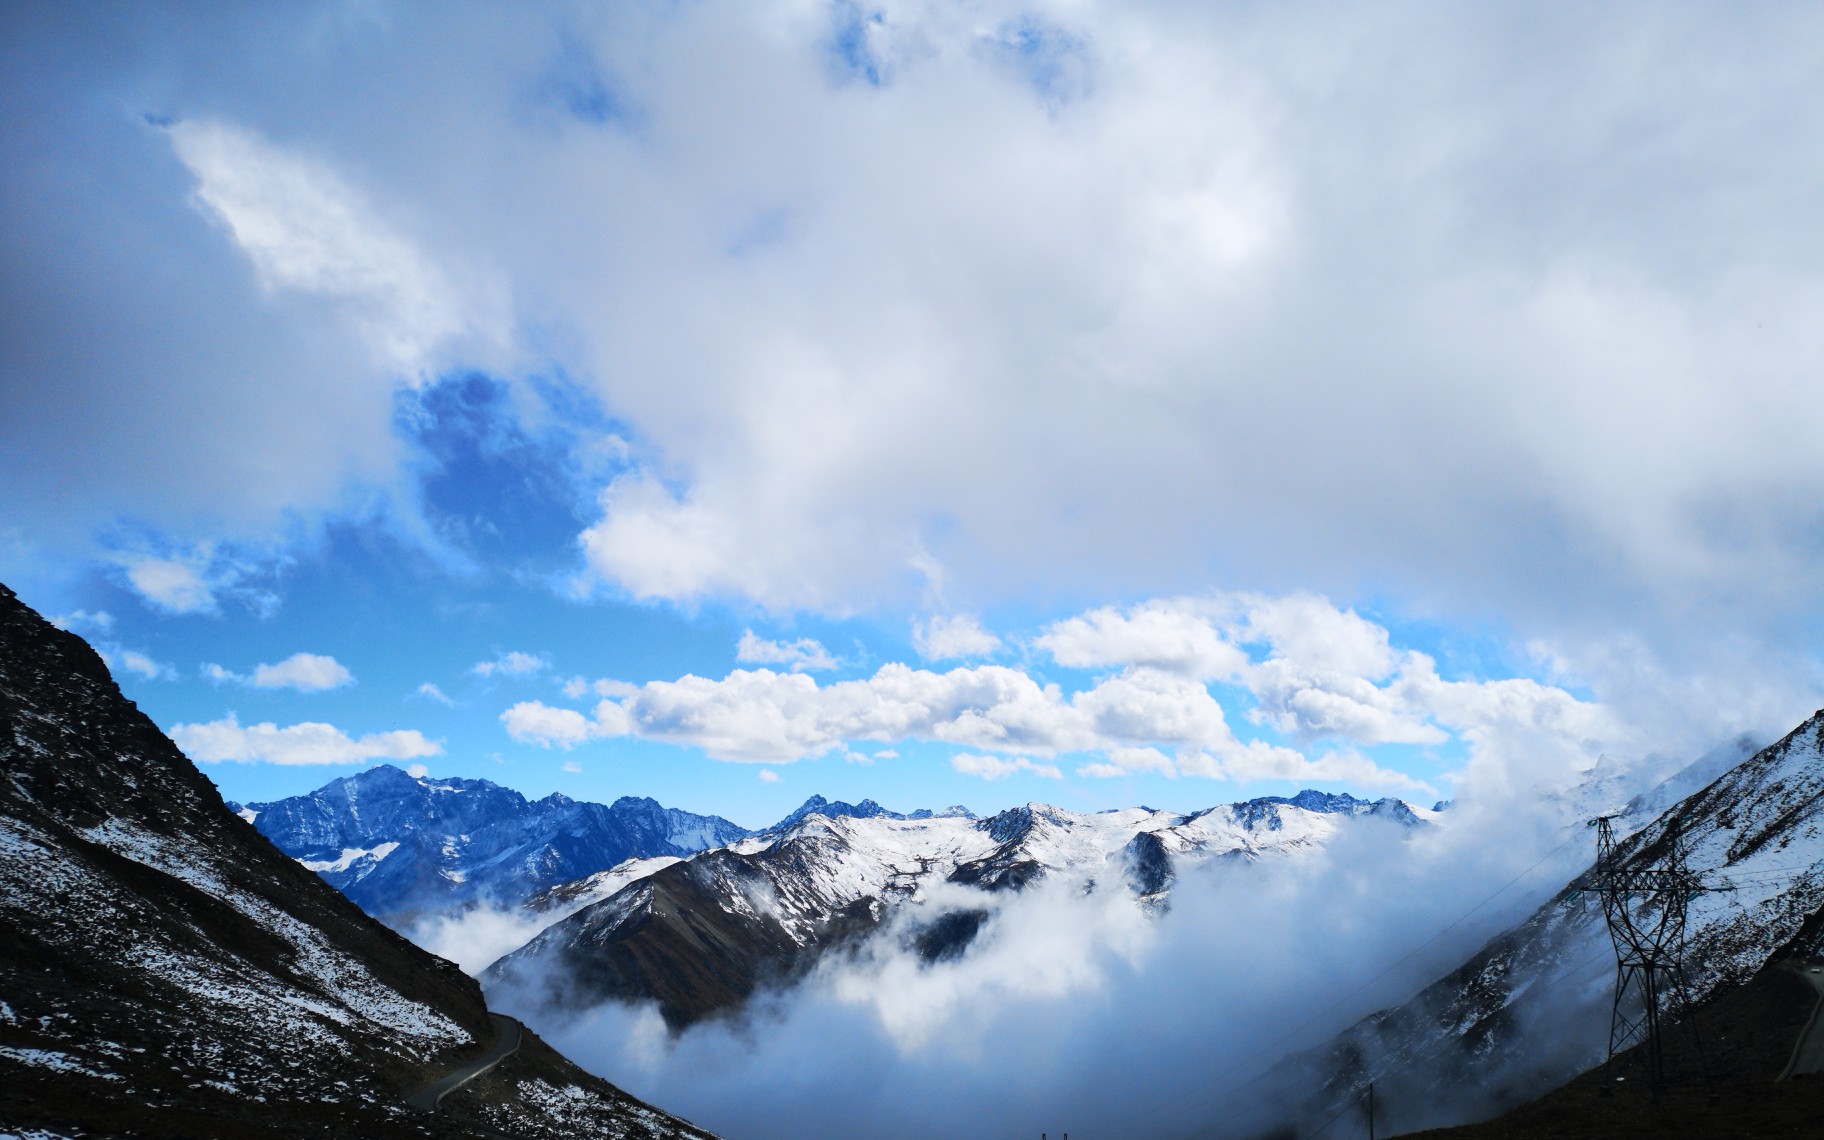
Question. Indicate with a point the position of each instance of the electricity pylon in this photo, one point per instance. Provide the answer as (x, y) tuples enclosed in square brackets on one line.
[(1646, 909)]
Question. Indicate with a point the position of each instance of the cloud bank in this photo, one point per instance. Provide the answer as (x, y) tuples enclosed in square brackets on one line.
[(309, 742), (1323, 679), (1080, 1010), (1012, 301)]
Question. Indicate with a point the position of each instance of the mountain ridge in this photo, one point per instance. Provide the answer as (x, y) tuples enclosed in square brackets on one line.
[(165, 971), (701, 935), (1529, 1010), (401, 845)]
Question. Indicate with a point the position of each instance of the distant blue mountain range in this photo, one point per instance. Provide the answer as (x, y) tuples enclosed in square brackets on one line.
[(400, 845)]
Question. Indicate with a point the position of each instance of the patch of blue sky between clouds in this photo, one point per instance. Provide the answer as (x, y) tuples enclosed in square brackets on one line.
[(1055, 63), (579, 84), (855, 46), (505, 474)]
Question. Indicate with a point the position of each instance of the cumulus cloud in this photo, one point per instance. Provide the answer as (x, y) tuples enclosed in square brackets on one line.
[(1162, 635), (999, 768), (417, 771), (1312, 668), (509, 664), (305, 672), (768, 776), (803, 655), (943, 638), (1327, 680), (430, 692), (761, 716), (175, 585), (100, 621), (534, 722), (134, 661), (310, 742), (194, 580)]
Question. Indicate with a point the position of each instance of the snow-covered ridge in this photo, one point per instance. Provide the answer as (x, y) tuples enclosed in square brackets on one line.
[(766, 905), (349, 857)]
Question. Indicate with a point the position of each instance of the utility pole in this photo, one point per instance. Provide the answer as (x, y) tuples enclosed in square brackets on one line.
[(1645, 909)]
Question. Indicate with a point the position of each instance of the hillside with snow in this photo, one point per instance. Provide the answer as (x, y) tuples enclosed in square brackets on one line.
[(700, 936), (166, 972), (1530, 1010)]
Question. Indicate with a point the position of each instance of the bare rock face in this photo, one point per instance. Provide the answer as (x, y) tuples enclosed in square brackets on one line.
[(165, 971)]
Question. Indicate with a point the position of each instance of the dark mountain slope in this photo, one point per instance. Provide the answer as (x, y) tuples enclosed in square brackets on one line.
[(1530, 1010), (1748, 1034), (165, 971)]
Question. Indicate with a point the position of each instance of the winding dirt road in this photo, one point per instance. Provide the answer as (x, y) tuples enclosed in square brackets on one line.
[(427, 1098)]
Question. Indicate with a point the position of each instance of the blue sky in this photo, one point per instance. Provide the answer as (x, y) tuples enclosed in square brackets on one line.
[(1101, 404)]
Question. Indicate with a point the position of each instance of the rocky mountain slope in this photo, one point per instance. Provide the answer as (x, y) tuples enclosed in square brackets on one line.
[(1531, 1009), (165, 971), (700, 935), (400, 845)]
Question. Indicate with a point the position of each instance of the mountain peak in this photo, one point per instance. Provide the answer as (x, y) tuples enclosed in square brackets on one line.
[(834, 809)]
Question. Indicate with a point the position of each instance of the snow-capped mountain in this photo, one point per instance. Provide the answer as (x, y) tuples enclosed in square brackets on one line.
[(1531, 1008), (398, 844), (700, 935), (166, 972), (866, 809)]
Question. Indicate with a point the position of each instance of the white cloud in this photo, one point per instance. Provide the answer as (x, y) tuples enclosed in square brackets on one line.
[(803, 655), (417, 771), (1058, 345), (996, 768), (768, 776), (509, 664), (305, 229), (194, 580), (133, 661), (1317, 673), (430, 692), (761, 716), (100, 621), (851, 756), (941, 638), (534, 722), (1129, 760), (575, 687), (305, 672), (1176, 636), (175, 585), (310, 742), (571, 767), (886, 754)]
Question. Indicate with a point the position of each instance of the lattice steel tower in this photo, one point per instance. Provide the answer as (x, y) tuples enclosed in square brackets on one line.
[(1646, 910)]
